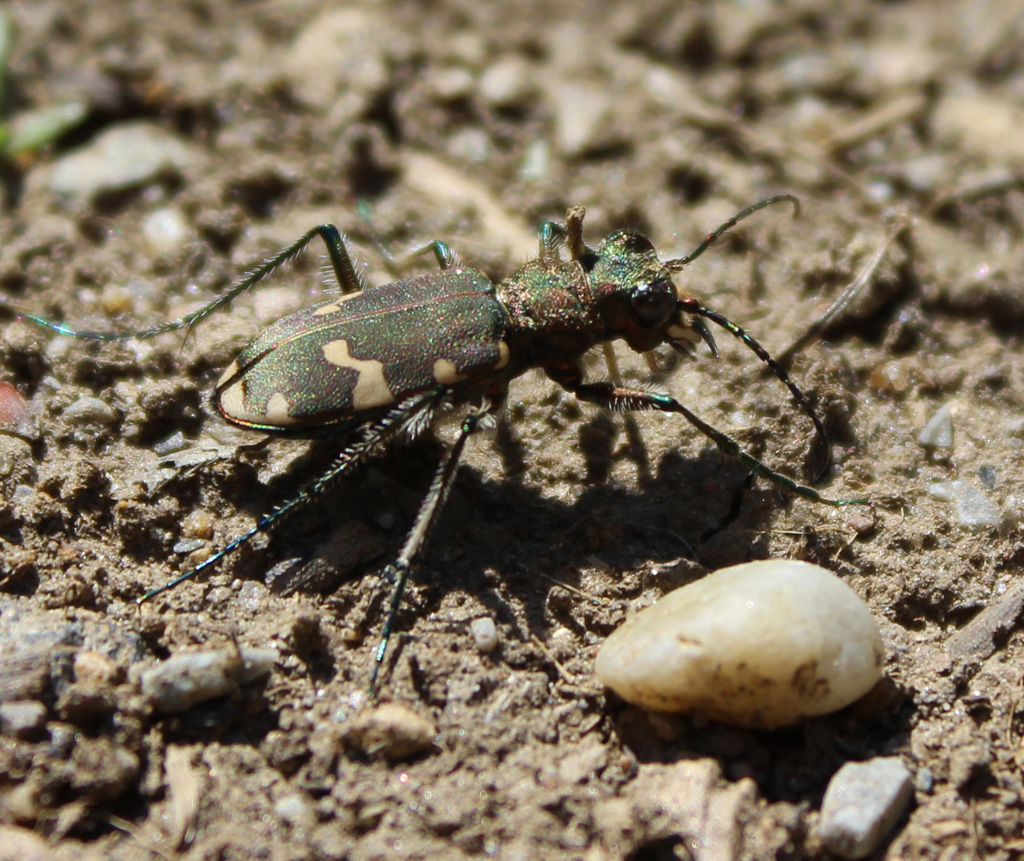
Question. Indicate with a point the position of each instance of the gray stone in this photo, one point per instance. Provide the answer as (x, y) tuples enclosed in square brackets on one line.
[(938, 432), (973, 509), (864, 800), (123, 156)]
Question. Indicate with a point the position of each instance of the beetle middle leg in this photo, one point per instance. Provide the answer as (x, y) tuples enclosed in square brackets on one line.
[(444, 255), (401, 569)]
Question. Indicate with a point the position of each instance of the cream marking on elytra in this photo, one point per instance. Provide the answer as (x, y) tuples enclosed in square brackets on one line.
[(335, 306), (371, 389), (229, 372), (503, 355), (446, 373), (279, 410), (232, 403)]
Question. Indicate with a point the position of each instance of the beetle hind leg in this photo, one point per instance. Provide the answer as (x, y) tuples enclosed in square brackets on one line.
[(373, 439), (402, 568), (341, 263)]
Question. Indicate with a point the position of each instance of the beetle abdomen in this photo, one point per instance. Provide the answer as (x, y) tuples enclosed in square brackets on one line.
[(357, 355)]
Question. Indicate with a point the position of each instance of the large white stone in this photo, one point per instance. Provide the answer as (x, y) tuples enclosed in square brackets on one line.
[(762, 644)]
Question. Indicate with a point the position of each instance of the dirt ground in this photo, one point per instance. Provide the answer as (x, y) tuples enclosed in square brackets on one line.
[(898, 125)]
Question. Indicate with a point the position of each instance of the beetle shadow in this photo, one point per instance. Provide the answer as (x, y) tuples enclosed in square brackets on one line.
[(507, 532), (691, 507)]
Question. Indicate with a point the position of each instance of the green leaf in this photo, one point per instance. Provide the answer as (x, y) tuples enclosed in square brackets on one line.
[(32, 130)]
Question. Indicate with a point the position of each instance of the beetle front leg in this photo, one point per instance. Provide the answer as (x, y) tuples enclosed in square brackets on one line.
[(401, 569), (624, 399)]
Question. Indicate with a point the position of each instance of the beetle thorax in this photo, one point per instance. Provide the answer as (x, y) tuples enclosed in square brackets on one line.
[(552, 311)]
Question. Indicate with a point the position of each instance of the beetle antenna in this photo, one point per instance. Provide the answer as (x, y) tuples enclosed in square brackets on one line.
[(692, 306), (709, 240)]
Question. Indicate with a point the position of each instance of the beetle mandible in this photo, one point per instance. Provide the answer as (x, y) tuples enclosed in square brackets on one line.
[(375, 365)]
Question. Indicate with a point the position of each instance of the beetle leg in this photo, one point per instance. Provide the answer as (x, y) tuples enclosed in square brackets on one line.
[(444, 255), (401, 569), (552, 234), (622, 398), (410, 416), (341, 263), (442, 251)]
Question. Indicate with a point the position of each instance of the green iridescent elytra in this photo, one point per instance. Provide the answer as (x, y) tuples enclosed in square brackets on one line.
[(356, 356)]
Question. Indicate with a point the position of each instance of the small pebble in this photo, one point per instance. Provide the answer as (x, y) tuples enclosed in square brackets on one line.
[(973, 509), (15, 413), (122, 156), (22, 718), (938, 432), (764, 644), (864, 800), (896, 376), (469, 145), (296, 811), (506, 83), (89, 410), (96, 669), (164, 230), (449, 83), (536, 164), (485, 634), (339, 62), (391, 730), (989, 476), (189, 678), (16, 460), (581, 114), (169, 445)]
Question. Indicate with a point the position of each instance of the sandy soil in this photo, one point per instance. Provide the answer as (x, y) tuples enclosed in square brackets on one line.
[(897, 125)]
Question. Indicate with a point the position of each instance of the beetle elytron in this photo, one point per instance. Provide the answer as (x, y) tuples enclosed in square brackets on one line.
[(375, 365)]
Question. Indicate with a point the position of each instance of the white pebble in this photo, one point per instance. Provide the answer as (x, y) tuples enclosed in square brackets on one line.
[(122, 156), (89, 410), (762, 644), (189, 678), (485, 633), (339, 62), (20, 718), (506, 83), (973, 508), (938, 432), (863, 802), (164, 230)]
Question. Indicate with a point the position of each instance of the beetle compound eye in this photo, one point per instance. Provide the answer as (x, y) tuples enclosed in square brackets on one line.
[(653, 303), (636, 243), (627, 243)]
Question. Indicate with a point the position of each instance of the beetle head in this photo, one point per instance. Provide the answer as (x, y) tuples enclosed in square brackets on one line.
[(640, 302)]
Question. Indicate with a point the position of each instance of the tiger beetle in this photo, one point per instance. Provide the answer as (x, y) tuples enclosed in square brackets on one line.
[(375, 365)]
